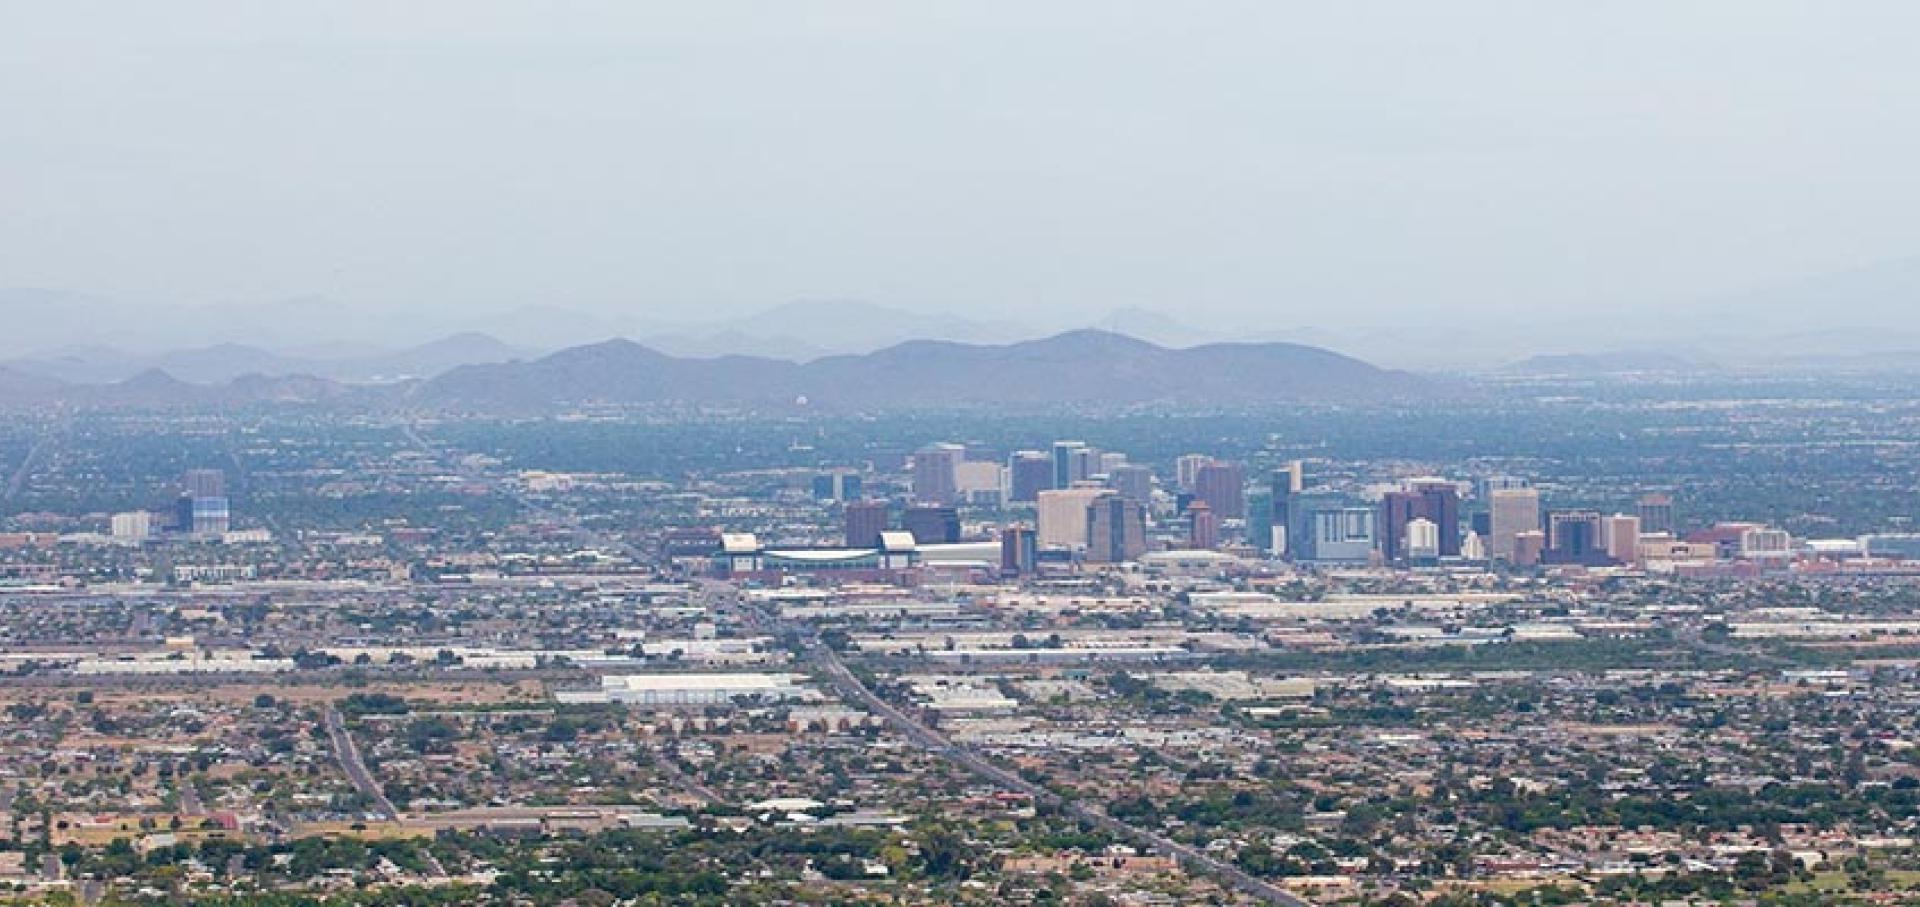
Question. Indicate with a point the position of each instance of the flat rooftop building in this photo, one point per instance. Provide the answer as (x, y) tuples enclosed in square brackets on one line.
[(698, 689)]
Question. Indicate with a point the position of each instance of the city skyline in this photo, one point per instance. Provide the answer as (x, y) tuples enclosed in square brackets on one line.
[(1085, 454)]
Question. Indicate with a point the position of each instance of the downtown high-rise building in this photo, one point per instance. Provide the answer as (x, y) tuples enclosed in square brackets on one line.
[(203, 509), (1063, 516), (1073, 461), (132, 527), (1423, 541), (1473, 548), (1019, 550), (1223, 486), (1512, 511), (208, 517), (838, 485), (1434, 500), (1490, 484), (1260, 535), (1116, 529), (863, 521), (1029, 472), (1656, 513), (932, 524), (1330, 532), (934, 468), (1529, 547), (1573, 536), (1288, 483), (1186, 468), (980, 482), (1291, 478), (1132, 481), (1620, 534), (1083, 465), (1203, 527)]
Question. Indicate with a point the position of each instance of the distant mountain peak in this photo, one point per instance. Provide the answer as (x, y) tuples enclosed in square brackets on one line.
[(611, 348), (1084, 342), (153, 379), (1091, 337), (466, 338)]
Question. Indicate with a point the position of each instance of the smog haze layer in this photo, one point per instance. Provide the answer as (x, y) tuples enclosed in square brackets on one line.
[(1422, 185)]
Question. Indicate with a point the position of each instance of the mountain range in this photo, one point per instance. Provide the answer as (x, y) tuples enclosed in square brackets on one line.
[(155, 389), (1085, 367), (1077, 368), (1843, 320), (223, 362), (113, 339)]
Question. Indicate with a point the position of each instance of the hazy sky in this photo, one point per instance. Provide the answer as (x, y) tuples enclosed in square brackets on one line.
[(1268, 163)]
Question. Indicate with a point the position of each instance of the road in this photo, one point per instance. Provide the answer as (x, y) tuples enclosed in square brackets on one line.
[(669, 766), (433, 863), (1194, 860), (348, 756), (18, 481), (189, 797), (141, 623)]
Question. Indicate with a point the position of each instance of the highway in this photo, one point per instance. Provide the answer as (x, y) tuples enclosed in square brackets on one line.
[(349, 757), (1194, 860)]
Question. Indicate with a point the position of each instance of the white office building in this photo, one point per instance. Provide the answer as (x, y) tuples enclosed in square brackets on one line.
[(132, 527)]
